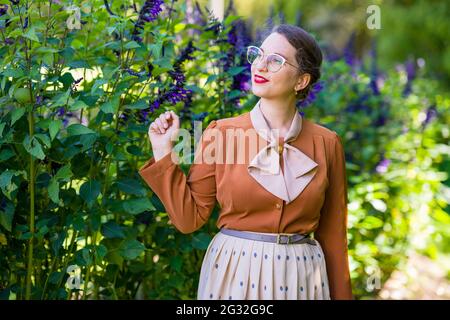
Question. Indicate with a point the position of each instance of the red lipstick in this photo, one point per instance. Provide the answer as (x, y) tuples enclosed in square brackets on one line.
[(260, 79)]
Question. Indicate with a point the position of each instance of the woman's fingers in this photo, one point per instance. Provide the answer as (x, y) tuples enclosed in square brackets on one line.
[(154, 127), (164, 121), (160, 125)]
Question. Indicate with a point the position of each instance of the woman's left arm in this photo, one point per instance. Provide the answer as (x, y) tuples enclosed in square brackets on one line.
[(332, 230)]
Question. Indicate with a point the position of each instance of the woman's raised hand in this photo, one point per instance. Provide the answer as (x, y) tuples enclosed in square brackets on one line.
[(161, 131)]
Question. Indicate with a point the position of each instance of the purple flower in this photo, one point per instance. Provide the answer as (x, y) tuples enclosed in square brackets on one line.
[(383, 165), (214, 24), (349, 55), (39, 100), (239, 38), (124, 116), (281, 17), (155, 105), (374, 71), (78, 81), (62, 114), (178, 76), (430, 115), (410, 68), (298, 18), (174, 95), (187, 53), (134, 73), (199, 16), (3, 9), (149, 12), (312, 94)]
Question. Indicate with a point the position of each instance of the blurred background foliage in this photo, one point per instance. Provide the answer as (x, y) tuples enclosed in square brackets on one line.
[(79, 91)]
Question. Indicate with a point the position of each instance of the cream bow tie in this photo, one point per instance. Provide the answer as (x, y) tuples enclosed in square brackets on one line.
[(265, 167)]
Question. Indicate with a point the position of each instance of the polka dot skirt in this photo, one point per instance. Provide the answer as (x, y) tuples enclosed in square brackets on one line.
[(240, 269)]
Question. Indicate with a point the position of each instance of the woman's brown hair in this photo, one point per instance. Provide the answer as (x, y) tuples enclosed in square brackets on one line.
[(309, 56)]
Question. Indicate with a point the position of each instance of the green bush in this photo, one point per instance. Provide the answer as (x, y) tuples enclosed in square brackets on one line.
[(77, 96)]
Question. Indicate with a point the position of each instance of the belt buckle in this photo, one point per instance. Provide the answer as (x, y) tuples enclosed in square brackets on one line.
[(283, 234)]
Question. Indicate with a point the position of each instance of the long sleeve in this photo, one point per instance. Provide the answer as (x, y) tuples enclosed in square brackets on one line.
[(332, 230), (189, 201)]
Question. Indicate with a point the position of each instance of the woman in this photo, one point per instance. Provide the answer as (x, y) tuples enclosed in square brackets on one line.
[(292, 186)]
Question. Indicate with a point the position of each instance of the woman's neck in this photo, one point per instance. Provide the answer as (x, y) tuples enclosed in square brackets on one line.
[(279, 114)]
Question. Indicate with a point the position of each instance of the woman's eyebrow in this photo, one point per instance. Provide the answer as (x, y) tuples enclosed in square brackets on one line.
[(275, 52)]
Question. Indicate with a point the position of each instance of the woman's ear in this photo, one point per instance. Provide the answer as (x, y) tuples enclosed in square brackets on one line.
[(303, 81)]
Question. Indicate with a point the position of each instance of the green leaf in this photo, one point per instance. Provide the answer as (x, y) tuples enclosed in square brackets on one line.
[(45, 50), (58, 241), (134, 150), (6, 216), (201, 241), (131, 186), (78, 129), (55, 277), (139, 104), (67, 80), (53, 190), (75, 64), (211, 78), (155, 49), (234, 94), (33, 147), (6, 154), (132, 45), (54, 127), (87, 140), (163, 63), (100, 252), (230, 19), (176, 263), (64, 172), (90, 190), (97, 84), (110, 30), (15, 33), (86, 255), (179, 27), (371, 222), (136, 206), (44, 139), (77, 105), (42, 232), (31, 34), (61, 99), (112, 230), (16, 114), (131, 249), (235, 70), (110, 106)]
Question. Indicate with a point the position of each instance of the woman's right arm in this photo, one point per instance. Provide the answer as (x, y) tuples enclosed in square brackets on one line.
[(189, 201)]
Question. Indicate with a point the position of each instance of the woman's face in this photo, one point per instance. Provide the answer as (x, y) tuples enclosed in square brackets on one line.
[(281, 84)]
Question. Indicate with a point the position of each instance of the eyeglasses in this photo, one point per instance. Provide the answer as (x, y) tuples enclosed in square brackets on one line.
[(274, 61)]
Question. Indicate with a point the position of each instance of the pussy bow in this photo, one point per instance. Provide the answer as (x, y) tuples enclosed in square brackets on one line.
[(265, 167)]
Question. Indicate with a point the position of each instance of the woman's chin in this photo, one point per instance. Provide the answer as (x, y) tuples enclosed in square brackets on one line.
[(260, 93)]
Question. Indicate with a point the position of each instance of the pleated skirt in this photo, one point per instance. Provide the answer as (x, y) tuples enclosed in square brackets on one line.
[(241, 269)]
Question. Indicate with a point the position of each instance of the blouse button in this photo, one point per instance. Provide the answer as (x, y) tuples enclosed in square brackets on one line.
[(278, 206)]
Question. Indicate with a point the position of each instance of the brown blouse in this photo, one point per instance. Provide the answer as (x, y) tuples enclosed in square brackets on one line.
[(249, 203)]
